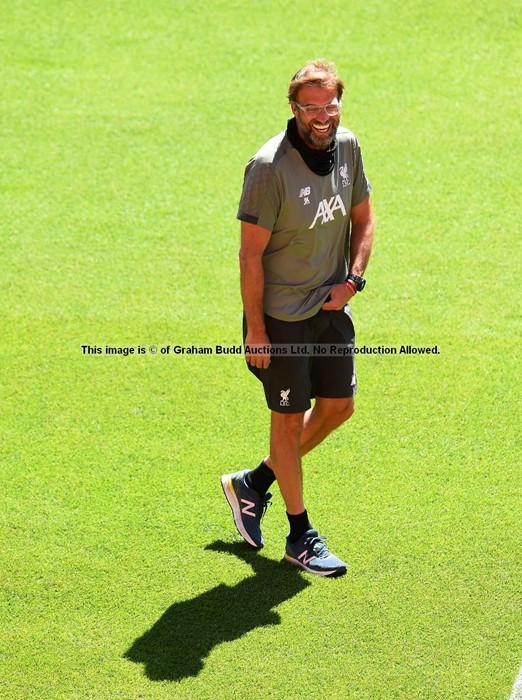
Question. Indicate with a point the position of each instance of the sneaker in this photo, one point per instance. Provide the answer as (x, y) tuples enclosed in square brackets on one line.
[(312, 555), (248, 507)]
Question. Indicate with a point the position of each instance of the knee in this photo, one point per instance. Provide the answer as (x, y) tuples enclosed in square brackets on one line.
[(346, 410), (340, 411), (287, 423)]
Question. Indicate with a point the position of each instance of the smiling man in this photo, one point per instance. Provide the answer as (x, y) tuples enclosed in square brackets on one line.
[(306, 237)]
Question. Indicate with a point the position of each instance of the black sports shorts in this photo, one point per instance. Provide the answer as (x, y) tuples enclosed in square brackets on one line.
[(290, 381)]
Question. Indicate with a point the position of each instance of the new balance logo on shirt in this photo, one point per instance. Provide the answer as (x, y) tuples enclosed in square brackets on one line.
[(305, 192), (327, 208)]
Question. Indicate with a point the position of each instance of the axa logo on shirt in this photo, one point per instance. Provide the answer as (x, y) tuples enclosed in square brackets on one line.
[(327, 209)]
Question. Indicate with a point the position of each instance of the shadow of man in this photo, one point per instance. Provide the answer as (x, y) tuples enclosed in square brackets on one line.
[(177, 644)]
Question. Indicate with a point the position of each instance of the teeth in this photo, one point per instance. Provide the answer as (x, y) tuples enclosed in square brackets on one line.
[(322, 128)]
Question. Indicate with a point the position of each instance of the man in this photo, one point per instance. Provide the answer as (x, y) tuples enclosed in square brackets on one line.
[(306, 237)]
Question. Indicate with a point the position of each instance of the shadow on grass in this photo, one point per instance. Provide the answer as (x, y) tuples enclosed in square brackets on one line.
[(177, 644)]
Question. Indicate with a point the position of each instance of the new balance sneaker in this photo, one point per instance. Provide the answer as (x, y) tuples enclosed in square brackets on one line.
[(248, 507), (312, 555)]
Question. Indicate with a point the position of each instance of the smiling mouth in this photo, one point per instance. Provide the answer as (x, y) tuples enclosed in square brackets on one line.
[(323, 128)]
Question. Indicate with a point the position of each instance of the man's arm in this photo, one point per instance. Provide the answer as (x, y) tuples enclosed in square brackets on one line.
[(361, 240), (254, 240)]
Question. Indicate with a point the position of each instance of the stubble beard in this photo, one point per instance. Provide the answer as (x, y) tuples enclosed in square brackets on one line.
[(310, 137)]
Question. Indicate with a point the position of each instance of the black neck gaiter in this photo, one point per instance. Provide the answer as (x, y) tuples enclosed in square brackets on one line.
[(320, 162)]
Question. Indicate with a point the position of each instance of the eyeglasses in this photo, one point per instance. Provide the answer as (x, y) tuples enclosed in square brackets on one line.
[(331, 109)]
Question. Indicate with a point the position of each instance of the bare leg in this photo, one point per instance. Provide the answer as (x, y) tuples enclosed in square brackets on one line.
[(324, 417), (285, 460), (319, 421)]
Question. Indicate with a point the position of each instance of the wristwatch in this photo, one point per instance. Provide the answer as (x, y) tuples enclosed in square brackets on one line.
[(359, 282)]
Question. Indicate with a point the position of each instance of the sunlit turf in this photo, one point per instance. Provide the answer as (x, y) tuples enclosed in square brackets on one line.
[(124, 131)]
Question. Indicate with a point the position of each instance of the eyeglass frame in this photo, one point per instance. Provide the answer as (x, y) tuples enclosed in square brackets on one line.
[(322, 108)]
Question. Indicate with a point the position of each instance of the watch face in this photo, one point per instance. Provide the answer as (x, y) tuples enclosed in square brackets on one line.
[(360, 282)]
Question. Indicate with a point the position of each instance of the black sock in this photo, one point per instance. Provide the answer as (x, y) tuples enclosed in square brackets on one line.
[(261, 478), (299, 524)]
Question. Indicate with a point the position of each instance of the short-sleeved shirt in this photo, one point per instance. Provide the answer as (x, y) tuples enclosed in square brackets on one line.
[(309, 217)]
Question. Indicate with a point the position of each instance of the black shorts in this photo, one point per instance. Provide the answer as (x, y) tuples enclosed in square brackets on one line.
[(291, 381)]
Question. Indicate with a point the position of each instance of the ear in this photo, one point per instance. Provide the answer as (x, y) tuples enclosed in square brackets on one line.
[(294, 109)]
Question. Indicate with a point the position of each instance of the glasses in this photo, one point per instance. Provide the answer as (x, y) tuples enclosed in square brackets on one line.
[(331, 109)]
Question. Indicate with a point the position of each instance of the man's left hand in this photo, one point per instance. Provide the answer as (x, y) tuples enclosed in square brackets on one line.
[(340, 295)]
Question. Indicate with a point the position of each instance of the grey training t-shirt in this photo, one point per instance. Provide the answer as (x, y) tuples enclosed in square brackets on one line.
[(309, 217)]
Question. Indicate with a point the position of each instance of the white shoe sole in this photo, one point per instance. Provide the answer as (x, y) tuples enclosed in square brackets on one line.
[(230, 495), (332, 572)]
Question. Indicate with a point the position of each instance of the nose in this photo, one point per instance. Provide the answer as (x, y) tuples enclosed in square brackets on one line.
[(323, 116)]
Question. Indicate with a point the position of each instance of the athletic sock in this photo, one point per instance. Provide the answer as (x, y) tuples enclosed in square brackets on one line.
[(261, 478), (299, 524)]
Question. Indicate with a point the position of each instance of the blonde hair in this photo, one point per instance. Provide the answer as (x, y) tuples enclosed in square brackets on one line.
[(318, 72)]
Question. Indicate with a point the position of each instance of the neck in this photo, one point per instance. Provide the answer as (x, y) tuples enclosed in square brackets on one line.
[(320, 160)]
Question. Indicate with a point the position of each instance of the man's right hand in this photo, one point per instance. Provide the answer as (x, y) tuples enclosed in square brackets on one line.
[(257, 349)]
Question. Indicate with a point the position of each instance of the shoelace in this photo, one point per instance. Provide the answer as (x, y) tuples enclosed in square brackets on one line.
[(266, 504), (315, 540)]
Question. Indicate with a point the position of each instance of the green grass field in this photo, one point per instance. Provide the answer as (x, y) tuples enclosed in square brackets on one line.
[(124, 131)]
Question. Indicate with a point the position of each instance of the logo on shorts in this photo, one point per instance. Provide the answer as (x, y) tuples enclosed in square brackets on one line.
[(285, 401)]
